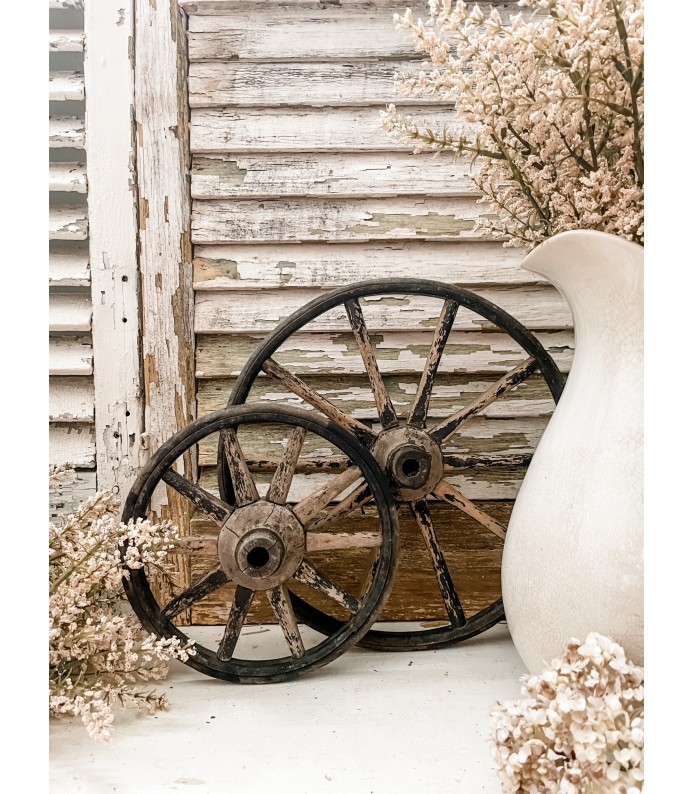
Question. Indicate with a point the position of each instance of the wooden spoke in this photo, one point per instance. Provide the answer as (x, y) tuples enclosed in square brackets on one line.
[(307, 574), (281, 606), (384, 406), (446, 428), (449, 493), (370, 573), (420, 406), (245, 491), (282, 478), (237, 615), (328, 541), (450, 598), (215, 508), (358, 498), (210, 582), (311, 508), (309, 395)]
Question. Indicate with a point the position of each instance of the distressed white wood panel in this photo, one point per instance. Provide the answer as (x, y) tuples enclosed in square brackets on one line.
[(67, 177), (68, 311), (325, 84), (301, 129), (65, 4), (69, 356), (232, 267), (67, 223), (537, 306), (71, 400), (450, 393), (308, 32), (519, 435), (398, 352), (65, 41), (161, 115), (68, 269), (483, 484), (73, 444), (335, 174), (64, 498), (215, 7), (65, 85), (66, 132), (113, 227), (349, 220)]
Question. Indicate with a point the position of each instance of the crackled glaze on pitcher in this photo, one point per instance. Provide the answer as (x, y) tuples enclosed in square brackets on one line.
[(573, 557)]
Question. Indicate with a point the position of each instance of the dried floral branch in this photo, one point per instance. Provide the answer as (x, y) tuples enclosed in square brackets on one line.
[(97, 648), (557, 102)]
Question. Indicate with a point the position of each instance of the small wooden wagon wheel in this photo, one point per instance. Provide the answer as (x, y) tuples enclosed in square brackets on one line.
[(266, 548), (410, 449)]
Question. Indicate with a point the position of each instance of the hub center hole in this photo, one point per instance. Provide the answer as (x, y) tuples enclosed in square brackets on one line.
[(258, 557), (410, 467)]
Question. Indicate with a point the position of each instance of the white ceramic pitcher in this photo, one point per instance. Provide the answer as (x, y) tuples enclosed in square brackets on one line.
[(573, 556)]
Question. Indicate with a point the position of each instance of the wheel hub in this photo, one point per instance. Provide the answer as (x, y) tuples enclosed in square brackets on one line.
[(261, 545), (411, 459)]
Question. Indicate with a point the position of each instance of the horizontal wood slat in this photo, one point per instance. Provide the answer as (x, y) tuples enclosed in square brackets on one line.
[(349, 220), (67, 223), (71, 400), (67, 177), (302, 129), (69, 311), (75, 486), (218, 83), (66, 132), (70, 356), (354, 397), (65, 40), (239, 267), (65, 86), (216, 7), (306, 174), (73, 444), (538, 307), (398, 352), (68, 268)]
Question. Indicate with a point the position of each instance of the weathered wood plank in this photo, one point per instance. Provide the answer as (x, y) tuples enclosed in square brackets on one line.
[(65, 86), (113, 228), (69, 311), (64, 497), (65, 41), (232, 267), (68, 268), (301, 129), (71, 400), (308, 84), (216, 7), (538, 307), (72, 444), (66, 132), (70, 356), (399, 352), (67, 223), (472, 553), (478, 435), (329, 174), (450, 393), (348, 220), (67, 177), (161, 121)]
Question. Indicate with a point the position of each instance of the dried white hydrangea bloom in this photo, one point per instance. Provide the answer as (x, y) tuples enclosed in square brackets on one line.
[(579, 727), (98, 649), (548, 111)]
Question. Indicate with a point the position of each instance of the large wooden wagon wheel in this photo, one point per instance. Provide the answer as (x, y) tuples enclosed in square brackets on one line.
[(410, 449), (266, 548)]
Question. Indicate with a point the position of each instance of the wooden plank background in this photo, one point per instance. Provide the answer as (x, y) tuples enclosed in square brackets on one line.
[(296, 190)]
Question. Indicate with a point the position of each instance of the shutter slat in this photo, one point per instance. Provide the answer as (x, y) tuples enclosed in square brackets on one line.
[(67, 177), (68, 269), (70, 356), (63, 86), (65, 41), (72, 444), (67, 223), (69, 312), (71, 400), (66, 132)]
